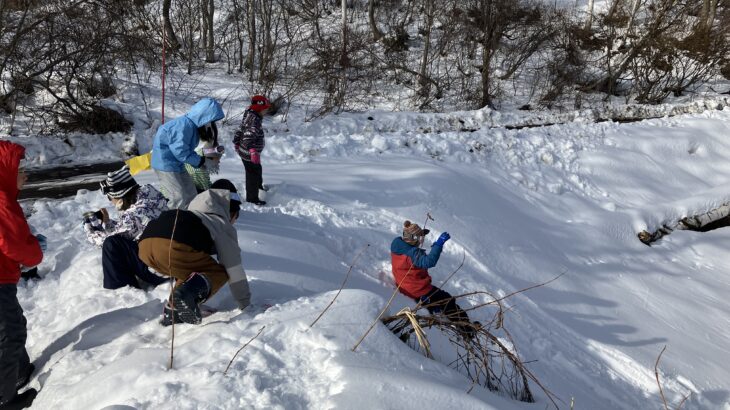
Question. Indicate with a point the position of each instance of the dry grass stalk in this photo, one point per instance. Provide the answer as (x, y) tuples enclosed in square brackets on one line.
[(242, 347), (661, 391), (343, 284)]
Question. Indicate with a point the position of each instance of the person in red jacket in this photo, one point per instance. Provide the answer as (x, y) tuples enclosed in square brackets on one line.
[(17, 247), (410, 266)]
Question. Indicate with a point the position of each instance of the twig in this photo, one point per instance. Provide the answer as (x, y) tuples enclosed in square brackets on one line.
[(463, 258), (511, 294), (172, 293), (656, 373), (343, 284), (239, 350)]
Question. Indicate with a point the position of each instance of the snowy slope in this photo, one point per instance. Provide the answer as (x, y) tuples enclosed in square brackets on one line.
[(521, 206)]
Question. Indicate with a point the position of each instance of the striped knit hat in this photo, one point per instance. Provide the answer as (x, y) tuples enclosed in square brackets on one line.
[(118, 183), (412, 233)]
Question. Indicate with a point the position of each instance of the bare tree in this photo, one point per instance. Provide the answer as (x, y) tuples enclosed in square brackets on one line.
[(172, 41), (251, 25), (377, 34), (208, 11)]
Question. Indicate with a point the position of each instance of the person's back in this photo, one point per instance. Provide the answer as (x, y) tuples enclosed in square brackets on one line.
[(410, 267), (175, 141), (174, 146), (180, 243)]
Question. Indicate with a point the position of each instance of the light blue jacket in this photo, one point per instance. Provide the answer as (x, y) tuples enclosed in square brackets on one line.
[(176, 140)]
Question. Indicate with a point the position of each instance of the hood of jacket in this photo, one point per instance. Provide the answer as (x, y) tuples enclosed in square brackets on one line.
[(212, 201), (205, 111), (10, 156)]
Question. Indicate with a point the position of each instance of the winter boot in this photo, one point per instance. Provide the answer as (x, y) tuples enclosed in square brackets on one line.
[(20, 401), (25, 378), (31, 274), (188, 296), (169, 316)]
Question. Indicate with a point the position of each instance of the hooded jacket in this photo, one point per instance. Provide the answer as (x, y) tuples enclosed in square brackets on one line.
[(17, 245), (206, 227), (410, 266), (212, 207), (176, 140)]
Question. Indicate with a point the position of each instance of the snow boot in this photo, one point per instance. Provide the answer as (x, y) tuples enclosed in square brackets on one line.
[(20, 401), (188, 296), (25, 378), (169, 315), (31, 274)]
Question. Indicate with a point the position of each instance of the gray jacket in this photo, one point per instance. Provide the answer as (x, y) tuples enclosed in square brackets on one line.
[(212, 207)]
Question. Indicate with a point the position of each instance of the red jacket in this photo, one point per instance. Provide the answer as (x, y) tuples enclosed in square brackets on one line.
[(17, 245), (410, 267)]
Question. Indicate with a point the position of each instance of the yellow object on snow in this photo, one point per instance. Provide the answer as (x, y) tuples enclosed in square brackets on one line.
[(139, 163)]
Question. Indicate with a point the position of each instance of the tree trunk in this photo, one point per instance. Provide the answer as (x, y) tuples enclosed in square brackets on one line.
[(267, 49), (589, 19), (239, 33), (711, 14), (251, 58), (424, 84), (634, 9), (169, 32), (344, 63), (210, 45), (377, 34), (704, 14)]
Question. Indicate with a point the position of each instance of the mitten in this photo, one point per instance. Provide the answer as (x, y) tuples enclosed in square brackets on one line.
[(442, 239), (255, 156)]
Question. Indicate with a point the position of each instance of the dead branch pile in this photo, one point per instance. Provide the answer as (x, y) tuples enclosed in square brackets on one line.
[(487, 359)]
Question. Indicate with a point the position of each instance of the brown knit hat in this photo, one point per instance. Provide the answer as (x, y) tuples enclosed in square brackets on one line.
[(412, 233)]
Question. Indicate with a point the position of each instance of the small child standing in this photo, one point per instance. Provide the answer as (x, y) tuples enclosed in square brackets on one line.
[(249, 142)]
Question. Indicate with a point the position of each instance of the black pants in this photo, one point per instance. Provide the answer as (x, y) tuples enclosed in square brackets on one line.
[(13, 356), (254, 180), (442, 302), (121, 264)]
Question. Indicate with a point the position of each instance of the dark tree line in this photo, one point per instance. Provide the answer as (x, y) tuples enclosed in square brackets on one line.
[(59, 58)]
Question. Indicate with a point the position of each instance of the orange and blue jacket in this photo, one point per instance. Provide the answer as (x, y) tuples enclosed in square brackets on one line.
[(410, 266)]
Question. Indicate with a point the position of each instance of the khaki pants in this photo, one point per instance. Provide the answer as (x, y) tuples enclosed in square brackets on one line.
[(171, 258)]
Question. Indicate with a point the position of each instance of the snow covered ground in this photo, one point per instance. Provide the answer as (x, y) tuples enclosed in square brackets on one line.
[(522, 206)]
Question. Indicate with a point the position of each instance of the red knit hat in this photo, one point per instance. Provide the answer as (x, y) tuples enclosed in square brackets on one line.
[(259, 103)]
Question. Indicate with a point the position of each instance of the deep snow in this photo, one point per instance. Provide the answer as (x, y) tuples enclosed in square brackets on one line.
[(521, 205)]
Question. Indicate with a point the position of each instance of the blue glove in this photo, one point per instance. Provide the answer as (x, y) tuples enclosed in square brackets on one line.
[(42, 242), (442, 239)]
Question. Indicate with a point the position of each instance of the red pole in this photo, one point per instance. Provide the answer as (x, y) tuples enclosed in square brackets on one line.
[(164, 41)]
